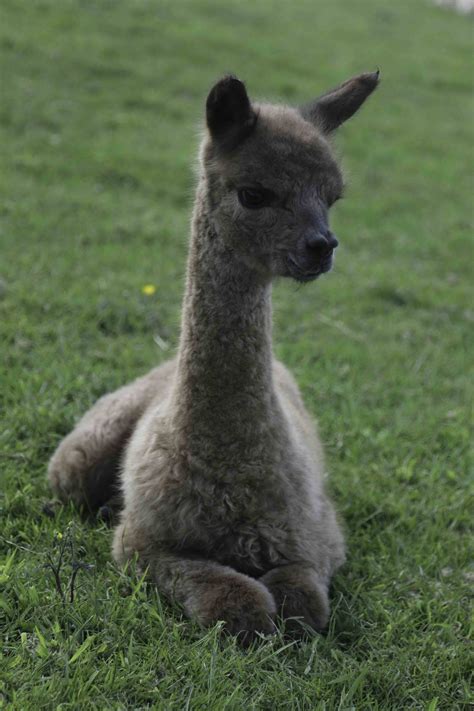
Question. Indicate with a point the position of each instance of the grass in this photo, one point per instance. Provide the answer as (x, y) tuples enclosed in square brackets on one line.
[(101, 103)]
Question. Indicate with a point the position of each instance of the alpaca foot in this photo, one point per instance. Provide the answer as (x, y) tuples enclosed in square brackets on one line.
[(300, 596), (244, 604)]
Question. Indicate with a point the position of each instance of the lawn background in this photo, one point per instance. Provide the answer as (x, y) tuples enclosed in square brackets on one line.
[(100, 111)]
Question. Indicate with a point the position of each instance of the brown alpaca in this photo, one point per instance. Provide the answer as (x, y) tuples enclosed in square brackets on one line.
[(221, 466)]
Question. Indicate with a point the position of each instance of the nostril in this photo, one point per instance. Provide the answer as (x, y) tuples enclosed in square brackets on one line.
[(332, 240), (316, 241), (321, 244)]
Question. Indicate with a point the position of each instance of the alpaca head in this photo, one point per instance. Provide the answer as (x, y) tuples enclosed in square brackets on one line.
[(271, 176)]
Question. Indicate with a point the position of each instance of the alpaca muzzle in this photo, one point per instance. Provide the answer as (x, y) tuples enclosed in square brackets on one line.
[(314, 255)]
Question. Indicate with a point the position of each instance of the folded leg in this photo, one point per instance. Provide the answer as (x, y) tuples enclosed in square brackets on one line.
[(300, 594), (84, 468), (207, 590)]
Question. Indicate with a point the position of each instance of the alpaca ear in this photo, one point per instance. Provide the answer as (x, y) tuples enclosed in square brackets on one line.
[(336, 106), (229, 114)]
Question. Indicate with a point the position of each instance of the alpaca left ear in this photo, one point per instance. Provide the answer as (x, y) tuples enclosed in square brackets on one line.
[(330, 110), (229, 113)]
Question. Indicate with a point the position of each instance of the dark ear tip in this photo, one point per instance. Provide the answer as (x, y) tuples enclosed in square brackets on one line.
[(368, 81), (228, 84), (231, 79), (228, 90), (372, 78)]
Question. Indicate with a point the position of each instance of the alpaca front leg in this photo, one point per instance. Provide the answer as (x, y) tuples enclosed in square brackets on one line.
[(208, 591), (299, 593)]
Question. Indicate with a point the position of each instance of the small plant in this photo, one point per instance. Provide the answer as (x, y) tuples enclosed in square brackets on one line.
[(64, 565)]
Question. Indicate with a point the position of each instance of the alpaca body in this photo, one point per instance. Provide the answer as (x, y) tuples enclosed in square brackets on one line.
[(226, 461), (253, 513), (222, 470)]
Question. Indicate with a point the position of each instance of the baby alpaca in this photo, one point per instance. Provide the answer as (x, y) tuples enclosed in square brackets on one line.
[(221, 469)]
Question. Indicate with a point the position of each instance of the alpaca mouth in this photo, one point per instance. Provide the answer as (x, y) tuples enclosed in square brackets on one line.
[(305, 274)]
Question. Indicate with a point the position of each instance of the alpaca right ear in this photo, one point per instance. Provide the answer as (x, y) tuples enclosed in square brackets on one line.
[(229, 114), (336, 106)]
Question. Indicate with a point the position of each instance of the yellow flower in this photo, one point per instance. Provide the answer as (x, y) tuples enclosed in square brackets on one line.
[(148, 289)]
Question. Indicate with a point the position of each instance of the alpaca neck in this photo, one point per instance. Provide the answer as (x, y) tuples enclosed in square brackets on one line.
[(224, 388)]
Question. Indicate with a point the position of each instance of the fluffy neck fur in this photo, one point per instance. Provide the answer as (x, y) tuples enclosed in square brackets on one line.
[(224, 388)]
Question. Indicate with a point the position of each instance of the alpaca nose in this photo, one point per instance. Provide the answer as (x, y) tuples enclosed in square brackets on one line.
[(321, 244)]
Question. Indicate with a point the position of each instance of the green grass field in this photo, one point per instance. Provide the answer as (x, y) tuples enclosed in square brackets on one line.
[(100, 111)]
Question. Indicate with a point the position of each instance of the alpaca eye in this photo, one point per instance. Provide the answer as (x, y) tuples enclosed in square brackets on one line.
[(253, 198)]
